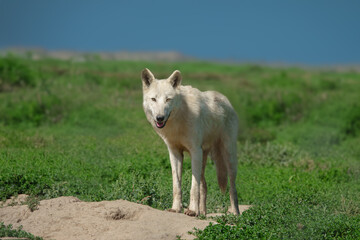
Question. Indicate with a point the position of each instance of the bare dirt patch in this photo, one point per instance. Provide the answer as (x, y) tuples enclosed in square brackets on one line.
[(69, 218)]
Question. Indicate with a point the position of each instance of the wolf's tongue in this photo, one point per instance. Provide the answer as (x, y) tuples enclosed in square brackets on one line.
[(159, 124)]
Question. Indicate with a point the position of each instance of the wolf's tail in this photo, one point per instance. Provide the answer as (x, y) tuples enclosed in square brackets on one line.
[(218, 155)]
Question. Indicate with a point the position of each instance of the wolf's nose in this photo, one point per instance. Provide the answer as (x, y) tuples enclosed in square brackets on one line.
[(160, 118)]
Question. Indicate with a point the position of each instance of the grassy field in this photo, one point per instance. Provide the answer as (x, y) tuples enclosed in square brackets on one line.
[(78, 128)]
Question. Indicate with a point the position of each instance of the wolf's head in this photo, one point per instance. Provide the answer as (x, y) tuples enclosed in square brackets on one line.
[(160, 97)]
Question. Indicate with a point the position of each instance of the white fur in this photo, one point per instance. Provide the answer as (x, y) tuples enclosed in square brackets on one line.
[(200, 123)]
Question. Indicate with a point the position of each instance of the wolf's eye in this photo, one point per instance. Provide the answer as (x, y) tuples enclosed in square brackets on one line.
[(153, 99), (168, 99)]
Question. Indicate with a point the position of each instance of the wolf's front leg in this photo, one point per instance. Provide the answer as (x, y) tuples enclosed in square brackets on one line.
[(176, 160), (196, 168)]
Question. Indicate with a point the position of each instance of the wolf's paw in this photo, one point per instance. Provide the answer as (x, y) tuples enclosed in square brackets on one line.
[(191, 213), (173, 210), (203, 212)]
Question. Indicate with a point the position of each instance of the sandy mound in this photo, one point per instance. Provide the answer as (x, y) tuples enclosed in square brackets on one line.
[(69, 218)]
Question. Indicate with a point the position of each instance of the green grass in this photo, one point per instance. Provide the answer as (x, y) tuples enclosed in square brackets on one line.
[(78, 128)]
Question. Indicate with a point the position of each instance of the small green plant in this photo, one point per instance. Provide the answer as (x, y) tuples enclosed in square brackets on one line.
[(7, 231), (33, 203)]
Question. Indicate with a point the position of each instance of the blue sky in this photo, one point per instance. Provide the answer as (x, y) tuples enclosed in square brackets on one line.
[(291, 31)]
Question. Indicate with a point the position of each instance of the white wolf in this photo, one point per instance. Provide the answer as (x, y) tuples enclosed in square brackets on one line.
[(199, 123)]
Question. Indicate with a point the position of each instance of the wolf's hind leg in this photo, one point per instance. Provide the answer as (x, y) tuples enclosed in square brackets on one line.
[(203, 187), (231, 165)]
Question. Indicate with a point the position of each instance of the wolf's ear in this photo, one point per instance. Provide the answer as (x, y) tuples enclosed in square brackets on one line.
[(175, 79), (147, 77)]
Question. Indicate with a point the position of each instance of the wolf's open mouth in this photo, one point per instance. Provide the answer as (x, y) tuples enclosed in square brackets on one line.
[(160, 124)]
